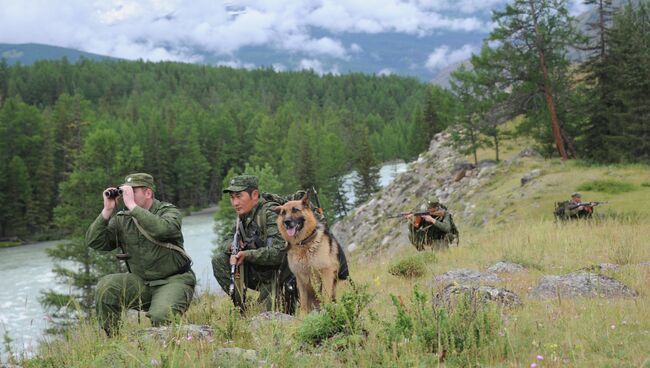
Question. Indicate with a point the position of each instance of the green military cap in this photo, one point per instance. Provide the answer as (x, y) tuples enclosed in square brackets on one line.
[(576, 194), (139, 180), (241, 182), (433, 201)]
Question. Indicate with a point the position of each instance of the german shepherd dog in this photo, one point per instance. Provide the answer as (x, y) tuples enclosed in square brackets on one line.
[(312, 253)]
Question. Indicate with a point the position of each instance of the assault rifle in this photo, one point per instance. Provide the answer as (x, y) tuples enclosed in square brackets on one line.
[(433, 212), (589, 204), (234, 270)]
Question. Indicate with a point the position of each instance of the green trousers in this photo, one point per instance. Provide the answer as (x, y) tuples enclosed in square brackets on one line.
[(262, 279), (161, 299)]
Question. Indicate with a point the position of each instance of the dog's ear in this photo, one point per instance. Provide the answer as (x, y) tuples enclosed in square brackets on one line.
[(305, 199), (276, 209)]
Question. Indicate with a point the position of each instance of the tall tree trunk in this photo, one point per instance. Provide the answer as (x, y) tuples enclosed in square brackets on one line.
[(496, 146), (548, 90)]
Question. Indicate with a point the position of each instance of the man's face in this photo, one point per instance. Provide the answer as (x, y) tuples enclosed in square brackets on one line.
[(243, 202), (142, 196), (577, 199)]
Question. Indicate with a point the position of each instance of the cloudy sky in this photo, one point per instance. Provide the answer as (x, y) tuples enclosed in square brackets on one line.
[(189, 30)]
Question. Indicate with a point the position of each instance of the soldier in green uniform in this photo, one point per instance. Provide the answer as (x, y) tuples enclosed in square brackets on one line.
[(160, 279), (262, 255), (435, 229), (575, 211)]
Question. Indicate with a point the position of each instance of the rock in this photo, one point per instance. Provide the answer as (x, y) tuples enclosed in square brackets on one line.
[(352, 247), (506, 267), (164, 333), (580, 284), (482, 293), (530, 176), (262, 318), (486, 163), (235, 354), (465, 276), (528, 152)]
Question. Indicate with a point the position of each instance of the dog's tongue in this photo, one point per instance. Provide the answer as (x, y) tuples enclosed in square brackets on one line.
[(291, 231)]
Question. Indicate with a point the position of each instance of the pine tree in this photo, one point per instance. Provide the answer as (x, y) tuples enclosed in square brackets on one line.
[(367, 181), (534, 36)]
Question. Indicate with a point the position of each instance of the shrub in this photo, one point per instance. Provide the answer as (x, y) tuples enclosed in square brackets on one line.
[(466, 332), (413, 266), (607, 186), (341, 321)]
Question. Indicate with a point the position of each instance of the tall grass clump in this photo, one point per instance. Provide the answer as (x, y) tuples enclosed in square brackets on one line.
[(412, 266), (607, 186), (339, 323), (466, 332)]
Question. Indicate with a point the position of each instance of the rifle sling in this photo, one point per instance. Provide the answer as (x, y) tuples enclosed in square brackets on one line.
[(161, 244)]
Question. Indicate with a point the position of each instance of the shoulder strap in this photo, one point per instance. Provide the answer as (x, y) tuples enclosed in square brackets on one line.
[(161, 244)]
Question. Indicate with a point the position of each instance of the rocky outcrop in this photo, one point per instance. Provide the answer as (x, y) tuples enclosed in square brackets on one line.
[(506, 267), (581, 284), (465, 276), (263, 318), (476, 293), (436, 172)]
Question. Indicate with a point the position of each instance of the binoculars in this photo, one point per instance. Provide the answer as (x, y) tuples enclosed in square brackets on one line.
[(113, 193)]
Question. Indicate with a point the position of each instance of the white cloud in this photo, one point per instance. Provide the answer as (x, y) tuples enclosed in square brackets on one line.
[(237, 64), (317, 67), (443, 56), (170, 29), (385, 72)]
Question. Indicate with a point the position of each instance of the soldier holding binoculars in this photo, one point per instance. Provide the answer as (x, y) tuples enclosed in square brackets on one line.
[(160, 278)]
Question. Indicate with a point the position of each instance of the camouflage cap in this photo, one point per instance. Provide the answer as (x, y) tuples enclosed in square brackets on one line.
[(433, 201), (241, 182), (139, 180), (576, 194)]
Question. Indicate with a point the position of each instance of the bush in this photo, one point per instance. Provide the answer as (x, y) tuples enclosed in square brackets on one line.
[(466, 332), (413, 266), (340, 322), (607, 186)]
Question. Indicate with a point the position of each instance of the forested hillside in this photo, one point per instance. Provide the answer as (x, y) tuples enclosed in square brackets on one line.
[(69, 130)]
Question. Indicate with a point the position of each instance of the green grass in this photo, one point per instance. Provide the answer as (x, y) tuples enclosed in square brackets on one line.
[(607, 186), (9, 244)]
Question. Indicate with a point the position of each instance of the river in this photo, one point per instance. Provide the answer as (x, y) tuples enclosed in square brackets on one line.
[(27, 270)]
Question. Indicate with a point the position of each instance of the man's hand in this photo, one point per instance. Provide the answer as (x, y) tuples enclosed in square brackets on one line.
[(128, 197), (428, 218), (109, 204), (238, 259)]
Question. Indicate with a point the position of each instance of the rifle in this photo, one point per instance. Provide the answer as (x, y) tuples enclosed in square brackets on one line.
[(234, 270), (589, 204), (319, 208), (433, 212)]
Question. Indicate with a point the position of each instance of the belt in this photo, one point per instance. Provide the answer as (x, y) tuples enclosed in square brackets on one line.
[(186, 268)]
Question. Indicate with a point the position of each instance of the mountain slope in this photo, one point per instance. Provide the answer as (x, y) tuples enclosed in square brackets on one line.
[(28, 53)]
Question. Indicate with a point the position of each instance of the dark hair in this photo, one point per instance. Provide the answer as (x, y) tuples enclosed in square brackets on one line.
[(250, 191)]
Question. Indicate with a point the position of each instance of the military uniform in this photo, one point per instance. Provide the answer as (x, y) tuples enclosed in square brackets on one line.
[(438, 235), (564, 210), (265, 268), (160, 280)]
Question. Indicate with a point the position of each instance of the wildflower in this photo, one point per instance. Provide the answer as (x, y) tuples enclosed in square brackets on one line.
[(189, 337), (533, 365), (612, 327), (155, 362), (377, 282), (539, 357)]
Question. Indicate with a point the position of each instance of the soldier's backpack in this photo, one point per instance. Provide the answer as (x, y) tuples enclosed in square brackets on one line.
[(454, 229), (344, 272), (560, 210)]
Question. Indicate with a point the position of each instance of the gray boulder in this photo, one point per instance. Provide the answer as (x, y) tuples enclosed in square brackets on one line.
[(480, 293), (581, 284), (506, 267), (530, 176), (164, 333), (265, 317), (234, 355), (465, 276), (528, 152)]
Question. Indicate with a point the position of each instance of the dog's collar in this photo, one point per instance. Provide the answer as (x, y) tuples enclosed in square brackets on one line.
[(310, 237)]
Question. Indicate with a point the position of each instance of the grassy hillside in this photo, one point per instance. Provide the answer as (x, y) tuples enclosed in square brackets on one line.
[(397, 329)]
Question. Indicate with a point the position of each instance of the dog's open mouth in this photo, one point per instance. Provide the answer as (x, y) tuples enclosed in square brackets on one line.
[(293, 227)]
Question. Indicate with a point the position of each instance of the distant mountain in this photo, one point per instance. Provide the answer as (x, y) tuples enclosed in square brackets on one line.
[(28, 53)]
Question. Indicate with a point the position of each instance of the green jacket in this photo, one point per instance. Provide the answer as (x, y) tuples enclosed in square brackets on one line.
[(264, 247), (148, 260), (427, 232)]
